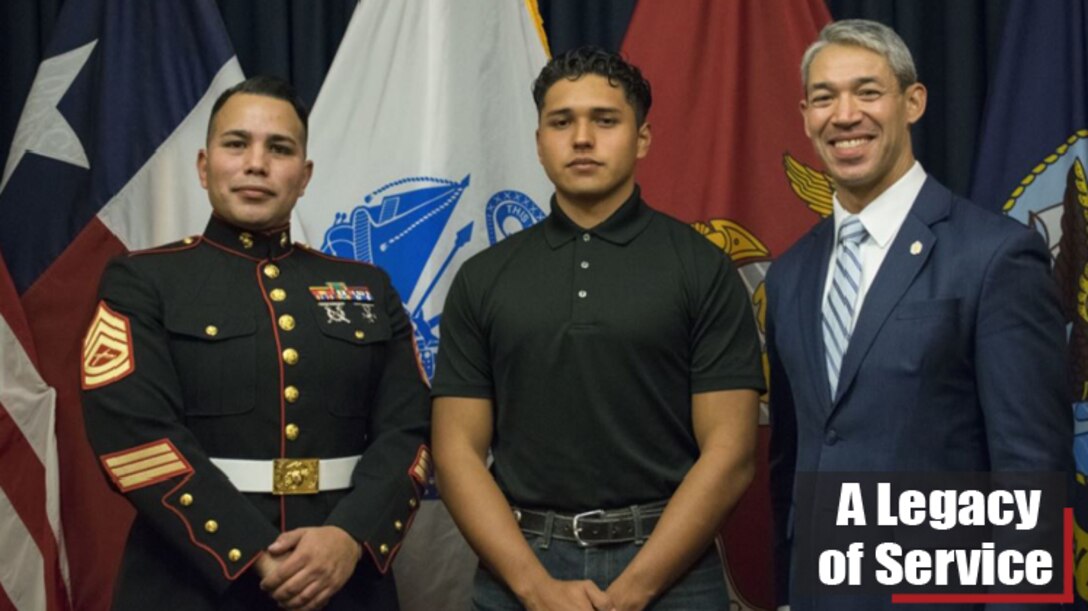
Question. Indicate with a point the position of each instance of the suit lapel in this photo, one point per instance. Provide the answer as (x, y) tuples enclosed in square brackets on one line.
[(906, 257), (809, 302)]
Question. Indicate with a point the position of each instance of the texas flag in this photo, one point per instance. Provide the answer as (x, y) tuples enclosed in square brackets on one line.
[(102, 162)]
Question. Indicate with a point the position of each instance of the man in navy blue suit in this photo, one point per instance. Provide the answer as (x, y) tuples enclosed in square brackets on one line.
[(911, 331)]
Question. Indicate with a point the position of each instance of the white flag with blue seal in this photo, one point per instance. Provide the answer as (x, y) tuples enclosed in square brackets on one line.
[(424, 153)]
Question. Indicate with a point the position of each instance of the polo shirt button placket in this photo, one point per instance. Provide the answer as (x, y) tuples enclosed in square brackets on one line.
[(581, 279)]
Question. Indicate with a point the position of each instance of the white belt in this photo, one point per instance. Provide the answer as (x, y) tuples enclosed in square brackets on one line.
[(289, 475)]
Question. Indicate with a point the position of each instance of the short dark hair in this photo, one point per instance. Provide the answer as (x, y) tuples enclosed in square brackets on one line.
[(268, 86), (576, 63)]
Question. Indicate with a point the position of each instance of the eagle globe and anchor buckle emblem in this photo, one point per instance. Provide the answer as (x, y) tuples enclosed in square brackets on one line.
[(398, 227), (296, 476)]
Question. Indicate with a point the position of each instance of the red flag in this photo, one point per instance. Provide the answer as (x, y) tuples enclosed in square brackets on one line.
[(729, 155)]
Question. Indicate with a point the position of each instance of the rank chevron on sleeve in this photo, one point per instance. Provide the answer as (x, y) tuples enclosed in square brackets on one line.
[(107, 349)]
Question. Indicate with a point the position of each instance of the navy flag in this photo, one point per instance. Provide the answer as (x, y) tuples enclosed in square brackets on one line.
[(1031, 165)]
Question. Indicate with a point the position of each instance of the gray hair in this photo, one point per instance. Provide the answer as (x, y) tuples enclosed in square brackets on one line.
[(866, 34)]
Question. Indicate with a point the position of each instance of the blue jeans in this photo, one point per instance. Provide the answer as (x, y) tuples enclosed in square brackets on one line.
[(702, 587)]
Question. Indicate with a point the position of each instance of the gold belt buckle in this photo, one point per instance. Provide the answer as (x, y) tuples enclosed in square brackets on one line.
[(295, 476)]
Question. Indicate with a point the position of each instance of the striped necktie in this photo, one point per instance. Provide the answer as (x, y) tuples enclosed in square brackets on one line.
[(842, 298)]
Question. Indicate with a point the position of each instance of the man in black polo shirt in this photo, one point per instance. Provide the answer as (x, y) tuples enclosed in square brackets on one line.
[(608, 359)]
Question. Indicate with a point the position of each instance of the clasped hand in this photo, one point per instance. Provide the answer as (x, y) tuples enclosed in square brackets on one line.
[(305, 567)]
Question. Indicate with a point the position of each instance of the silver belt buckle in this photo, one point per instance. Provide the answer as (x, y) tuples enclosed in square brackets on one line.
[(576, 530)]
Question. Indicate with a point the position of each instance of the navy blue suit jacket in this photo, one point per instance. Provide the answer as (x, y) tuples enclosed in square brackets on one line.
[(956, 362)]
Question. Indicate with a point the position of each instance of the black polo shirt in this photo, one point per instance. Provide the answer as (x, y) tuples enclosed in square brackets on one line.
[(590, 344)]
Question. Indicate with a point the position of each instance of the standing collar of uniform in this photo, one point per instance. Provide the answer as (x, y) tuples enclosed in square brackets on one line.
[(257, 245), (619, 228), (883, 217)]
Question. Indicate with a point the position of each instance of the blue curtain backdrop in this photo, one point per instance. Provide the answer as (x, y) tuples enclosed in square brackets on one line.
[(954, 43)]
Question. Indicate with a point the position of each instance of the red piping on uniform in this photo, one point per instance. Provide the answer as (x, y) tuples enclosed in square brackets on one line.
[(286, 254), (162, 249), (230, 251), (266, 232), (192, 536), (383, 568), (238, 254), (283, 406)]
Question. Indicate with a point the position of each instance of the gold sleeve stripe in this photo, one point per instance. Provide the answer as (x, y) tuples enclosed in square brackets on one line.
[(145, 465), (128, 457), (107, 349), (151, 476), (421, 467)]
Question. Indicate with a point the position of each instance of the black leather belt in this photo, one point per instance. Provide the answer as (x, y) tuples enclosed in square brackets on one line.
[(598, 527)]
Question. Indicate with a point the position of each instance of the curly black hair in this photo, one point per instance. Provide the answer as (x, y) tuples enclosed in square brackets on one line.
[(576, 63)]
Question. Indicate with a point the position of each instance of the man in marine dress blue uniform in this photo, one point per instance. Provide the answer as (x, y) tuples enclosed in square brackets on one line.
[(912, 331), (259, 403), (608, 357)]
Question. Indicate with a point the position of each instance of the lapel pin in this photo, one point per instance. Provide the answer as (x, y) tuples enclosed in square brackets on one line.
[(916, 248)]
